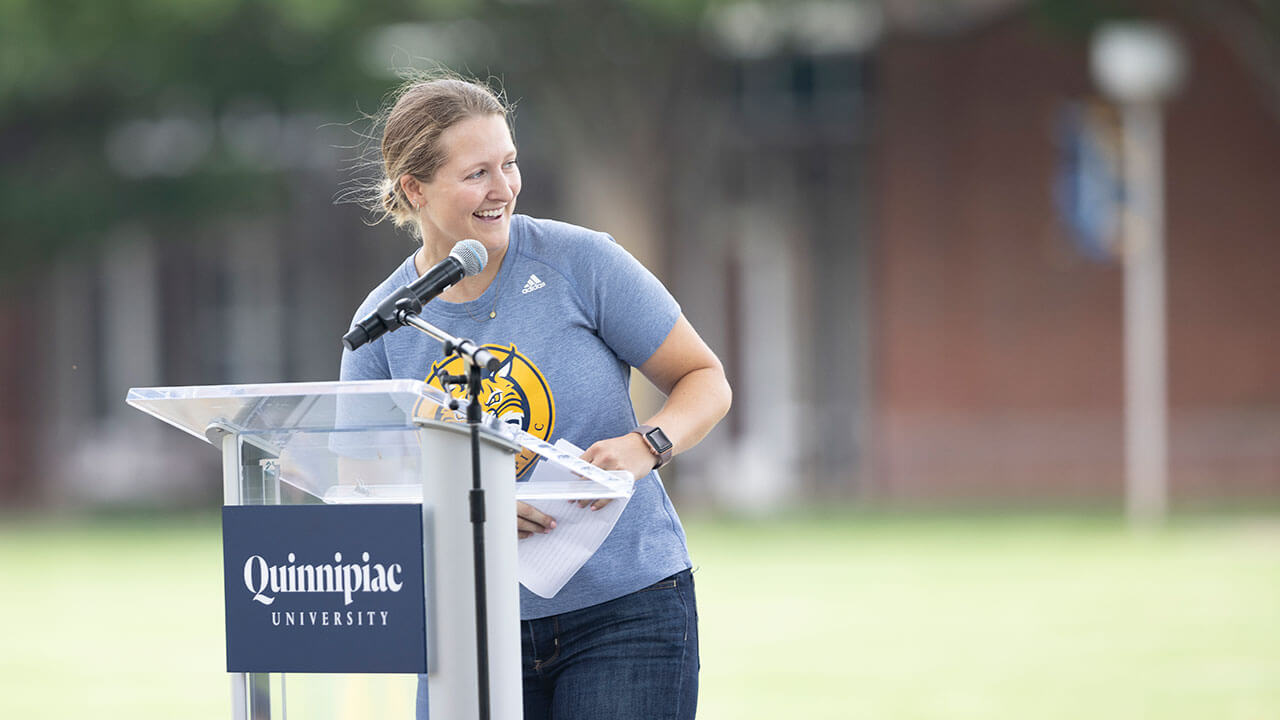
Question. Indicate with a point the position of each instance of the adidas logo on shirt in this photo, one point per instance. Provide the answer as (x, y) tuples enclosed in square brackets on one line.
[(534, 283)]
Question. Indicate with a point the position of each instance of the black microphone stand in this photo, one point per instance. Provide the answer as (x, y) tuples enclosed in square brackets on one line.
[(475, 358)]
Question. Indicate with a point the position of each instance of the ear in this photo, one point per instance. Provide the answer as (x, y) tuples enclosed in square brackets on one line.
[(504, 370), (413, 190)]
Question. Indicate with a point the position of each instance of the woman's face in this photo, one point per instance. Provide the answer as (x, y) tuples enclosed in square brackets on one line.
[(474, 193)]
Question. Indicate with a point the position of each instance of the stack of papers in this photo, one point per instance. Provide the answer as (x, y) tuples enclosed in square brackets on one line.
[(548, 561)]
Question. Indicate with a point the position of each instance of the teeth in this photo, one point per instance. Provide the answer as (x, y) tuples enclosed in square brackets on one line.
[(489, 213)]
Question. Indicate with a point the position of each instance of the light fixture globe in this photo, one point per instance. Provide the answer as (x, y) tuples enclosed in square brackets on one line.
[(1137, 62)]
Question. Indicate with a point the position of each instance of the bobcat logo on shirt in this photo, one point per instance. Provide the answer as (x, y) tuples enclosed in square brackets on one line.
[(515, 393)]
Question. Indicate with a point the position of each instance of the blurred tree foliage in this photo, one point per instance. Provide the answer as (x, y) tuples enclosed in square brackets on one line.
[(1078, 18), (114, 112), (74, 73), (124, 112)]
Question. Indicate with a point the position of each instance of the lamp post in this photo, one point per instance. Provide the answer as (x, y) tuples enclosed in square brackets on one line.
[(1138, 65)]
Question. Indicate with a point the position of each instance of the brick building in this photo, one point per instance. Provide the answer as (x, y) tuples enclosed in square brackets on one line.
[(998, 353)]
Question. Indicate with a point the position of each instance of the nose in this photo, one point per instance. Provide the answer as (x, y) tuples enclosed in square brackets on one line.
[(503, 187)]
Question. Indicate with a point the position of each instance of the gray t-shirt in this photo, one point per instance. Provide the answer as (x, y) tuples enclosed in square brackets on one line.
[(574, 312)]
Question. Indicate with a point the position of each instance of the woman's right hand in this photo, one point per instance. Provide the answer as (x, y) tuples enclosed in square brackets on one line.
[(530, 520)]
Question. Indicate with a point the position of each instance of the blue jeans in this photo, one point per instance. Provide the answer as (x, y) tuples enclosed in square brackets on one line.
[(627, 659), (632, 658)]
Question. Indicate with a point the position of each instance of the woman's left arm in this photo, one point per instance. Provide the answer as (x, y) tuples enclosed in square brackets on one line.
[(698, 395)]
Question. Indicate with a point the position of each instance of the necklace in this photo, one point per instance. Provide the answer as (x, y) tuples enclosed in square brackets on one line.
[(496, 284), (493, 311), (497, 294)]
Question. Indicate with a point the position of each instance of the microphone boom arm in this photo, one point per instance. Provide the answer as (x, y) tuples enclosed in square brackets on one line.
[(407, 314)]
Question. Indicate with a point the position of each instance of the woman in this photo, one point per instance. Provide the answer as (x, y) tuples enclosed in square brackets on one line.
[(569, 313)]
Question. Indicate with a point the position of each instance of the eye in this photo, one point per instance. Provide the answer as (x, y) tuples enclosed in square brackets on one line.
[(511, 164), (476, 175)]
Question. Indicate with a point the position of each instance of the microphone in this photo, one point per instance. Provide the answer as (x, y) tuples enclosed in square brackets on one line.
[(467, 258)]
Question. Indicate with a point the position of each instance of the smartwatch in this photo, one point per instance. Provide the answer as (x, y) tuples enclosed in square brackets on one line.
[(658, 443)]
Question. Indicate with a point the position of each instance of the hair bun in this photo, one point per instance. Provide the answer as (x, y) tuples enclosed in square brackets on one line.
[(390, 201)]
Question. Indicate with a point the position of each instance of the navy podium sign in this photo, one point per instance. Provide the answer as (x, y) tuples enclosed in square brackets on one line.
[(324, 588)]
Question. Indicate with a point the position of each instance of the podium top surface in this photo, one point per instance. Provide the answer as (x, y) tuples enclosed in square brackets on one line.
[(288, 407), (312, 426)]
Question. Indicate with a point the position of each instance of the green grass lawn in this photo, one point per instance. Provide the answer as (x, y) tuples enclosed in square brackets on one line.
[(831, 615)]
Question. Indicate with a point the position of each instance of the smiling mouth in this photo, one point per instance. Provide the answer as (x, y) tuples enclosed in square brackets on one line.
[(489, 214)]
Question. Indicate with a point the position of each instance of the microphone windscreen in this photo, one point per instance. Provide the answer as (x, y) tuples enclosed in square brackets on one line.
[(471, 255)]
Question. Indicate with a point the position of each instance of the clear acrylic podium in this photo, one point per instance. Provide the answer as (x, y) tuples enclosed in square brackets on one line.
[(385, 441)]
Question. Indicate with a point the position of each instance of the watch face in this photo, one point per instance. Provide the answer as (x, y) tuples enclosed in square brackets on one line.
[(658, 440)]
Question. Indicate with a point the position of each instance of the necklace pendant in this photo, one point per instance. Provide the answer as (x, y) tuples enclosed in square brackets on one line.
[(493, 314)]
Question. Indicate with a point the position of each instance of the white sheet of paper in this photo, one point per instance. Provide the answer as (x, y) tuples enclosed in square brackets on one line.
[(548, 561)]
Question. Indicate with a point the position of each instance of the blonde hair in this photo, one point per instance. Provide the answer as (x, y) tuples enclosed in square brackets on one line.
[(423, 109)]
